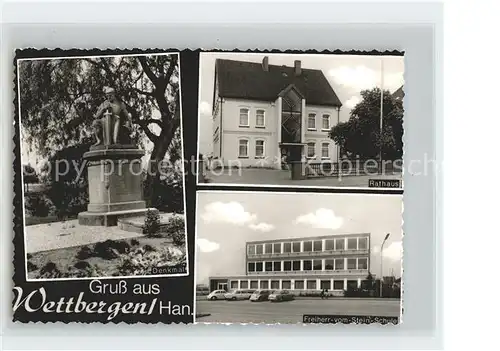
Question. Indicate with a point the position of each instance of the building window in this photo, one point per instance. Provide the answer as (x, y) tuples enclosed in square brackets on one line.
[(351, 263), (318, 245), (352, 244), (244, 117), (269, 248), (311, 150), (296, 246), (296, 265), (277, 248), (251, 250), (329, 265), (259, 267), (339, 264), (311, 284), (326, 284), (275, 284), (277, 266), (286, 284), (287, 266), (311, 121), (307, 246), (287, 247), (299, 285), (243, 148), (339, 244), (338, 285), (234, 284), (251, 266), (325, 151), (352, 284), (329, 244), (243, 284), (260, 118), (307, 265), (254, 284), (362, 263), (269, 266), (317, 265), (259, 249), (362, 243), (264, 284), (325, 122), (259, 148)]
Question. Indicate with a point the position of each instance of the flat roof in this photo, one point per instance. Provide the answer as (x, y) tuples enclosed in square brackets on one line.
[(331, 236)]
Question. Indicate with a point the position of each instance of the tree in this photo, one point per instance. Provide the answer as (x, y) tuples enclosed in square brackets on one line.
[(60, 96), (29, 176), (360, 135)]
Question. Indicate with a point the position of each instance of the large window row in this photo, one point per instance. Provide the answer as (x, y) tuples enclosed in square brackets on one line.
[(334, 264), (259, 118), (340, 244), (302, 284)]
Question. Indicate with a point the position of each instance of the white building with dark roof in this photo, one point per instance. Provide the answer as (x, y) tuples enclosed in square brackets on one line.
[(262, 112)]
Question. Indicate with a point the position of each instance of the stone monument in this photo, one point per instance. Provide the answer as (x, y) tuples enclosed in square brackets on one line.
[(114, 167)]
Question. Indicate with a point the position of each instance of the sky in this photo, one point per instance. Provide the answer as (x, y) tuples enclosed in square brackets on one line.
[(227, 220), (347, 74)]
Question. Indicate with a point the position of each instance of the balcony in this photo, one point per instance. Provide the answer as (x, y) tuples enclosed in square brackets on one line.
[(311, 273), (308, 254)]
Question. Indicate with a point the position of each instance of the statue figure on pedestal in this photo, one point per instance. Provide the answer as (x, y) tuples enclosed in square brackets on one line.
[(112, 124)]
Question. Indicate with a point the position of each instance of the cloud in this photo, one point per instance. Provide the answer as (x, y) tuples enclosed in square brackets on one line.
[(361, 77), (230, 212), (205, 245), (353, 101), (262, 227), (358, 77), (394, 251), (322, 218), (205, 108)]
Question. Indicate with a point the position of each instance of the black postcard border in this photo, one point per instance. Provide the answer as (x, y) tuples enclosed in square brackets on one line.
[(177, 290)]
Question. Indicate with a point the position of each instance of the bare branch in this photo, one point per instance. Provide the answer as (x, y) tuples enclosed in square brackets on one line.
[(147, 93), (147, 69)]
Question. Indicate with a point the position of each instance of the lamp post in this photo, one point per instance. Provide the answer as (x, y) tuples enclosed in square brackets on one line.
[(382, 261)]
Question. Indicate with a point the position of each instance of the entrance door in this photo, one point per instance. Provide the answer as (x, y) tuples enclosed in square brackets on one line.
[(222, 286)]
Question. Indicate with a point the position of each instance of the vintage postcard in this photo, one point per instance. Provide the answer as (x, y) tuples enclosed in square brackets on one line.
[(280, 257), (301, 120), (100, 195)]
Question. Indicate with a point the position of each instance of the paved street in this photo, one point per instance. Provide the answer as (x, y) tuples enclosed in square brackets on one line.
[(292, 311), (271, 177)]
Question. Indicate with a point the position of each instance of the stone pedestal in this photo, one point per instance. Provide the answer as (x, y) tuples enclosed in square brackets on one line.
[(115, 185)]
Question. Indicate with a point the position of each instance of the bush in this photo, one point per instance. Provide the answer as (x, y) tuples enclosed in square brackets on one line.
[(111, 249), (84, 253), (175, 228), (134, 242), (82, 265), (140, 262), (50, 271), (152, 223), (166, 192), (37, 205), (31, 266)]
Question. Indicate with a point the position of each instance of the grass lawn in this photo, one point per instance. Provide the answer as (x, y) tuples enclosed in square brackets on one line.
[(106, 259)]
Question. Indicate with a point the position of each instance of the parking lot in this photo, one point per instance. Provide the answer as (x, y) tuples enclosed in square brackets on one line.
[(292, 311)]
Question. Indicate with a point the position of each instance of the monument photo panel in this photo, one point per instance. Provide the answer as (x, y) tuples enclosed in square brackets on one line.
[(102, 166)]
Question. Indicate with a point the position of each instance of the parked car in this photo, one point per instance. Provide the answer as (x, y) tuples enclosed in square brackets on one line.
[(238, 294), (281, 295), (261, 295), (217, 295)]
